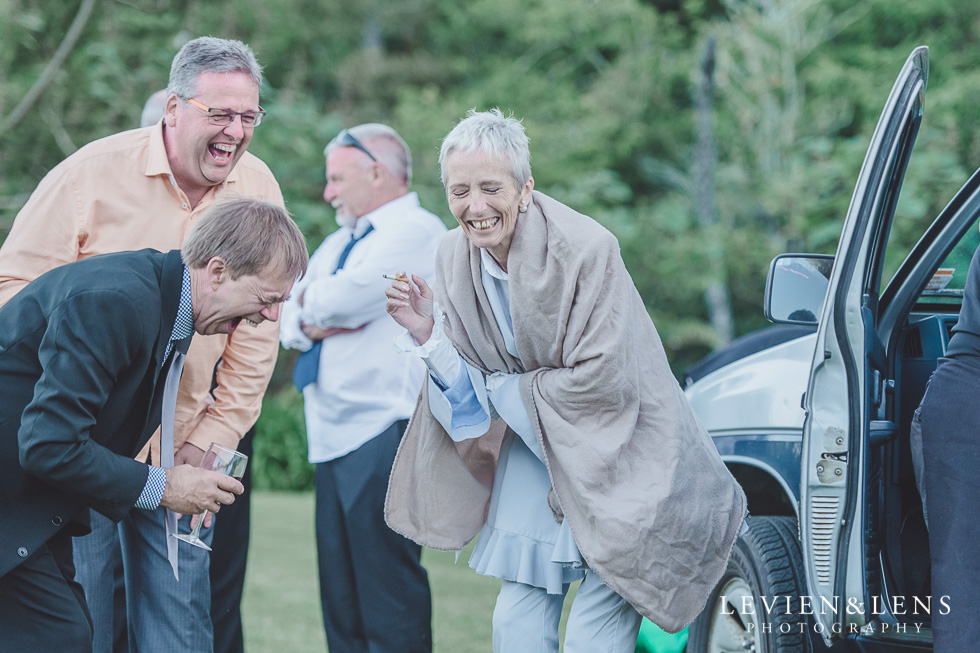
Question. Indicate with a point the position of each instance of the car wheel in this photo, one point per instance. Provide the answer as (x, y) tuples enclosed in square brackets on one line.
[(765, 562)]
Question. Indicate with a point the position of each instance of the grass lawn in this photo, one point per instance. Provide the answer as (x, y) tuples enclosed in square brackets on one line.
[(281, 607)]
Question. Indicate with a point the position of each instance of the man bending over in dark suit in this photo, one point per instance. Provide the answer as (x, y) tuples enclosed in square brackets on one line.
[(84, 353)]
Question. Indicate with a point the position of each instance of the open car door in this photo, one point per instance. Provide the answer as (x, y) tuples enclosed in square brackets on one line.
[(847, 376)]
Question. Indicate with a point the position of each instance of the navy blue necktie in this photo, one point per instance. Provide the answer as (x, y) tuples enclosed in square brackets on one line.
[(308, 362)]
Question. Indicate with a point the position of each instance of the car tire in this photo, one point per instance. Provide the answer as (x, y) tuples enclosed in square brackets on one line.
[(765, 562)]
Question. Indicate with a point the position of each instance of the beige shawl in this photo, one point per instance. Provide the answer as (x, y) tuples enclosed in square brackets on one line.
[(653, 509)]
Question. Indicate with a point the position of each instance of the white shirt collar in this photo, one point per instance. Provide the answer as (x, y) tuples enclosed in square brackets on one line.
[(491, 266), (385, 214)]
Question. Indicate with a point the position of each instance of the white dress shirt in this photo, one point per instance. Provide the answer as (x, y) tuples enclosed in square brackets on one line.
[(364, 383)]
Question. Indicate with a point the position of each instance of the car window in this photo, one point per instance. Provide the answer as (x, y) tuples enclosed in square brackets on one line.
[(949, 279)]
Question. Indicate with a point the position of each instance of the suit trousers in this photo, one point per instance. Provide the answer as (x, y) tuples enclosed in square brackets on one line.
[(99, 570), (526, 619), (230, 544), (42, 608), (374, 591), (162, 614), (99, 557)]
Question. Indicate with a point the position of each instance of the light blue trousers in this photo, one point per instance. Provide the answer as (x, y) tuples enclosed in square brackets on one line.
[(163, 615), (526, 618)]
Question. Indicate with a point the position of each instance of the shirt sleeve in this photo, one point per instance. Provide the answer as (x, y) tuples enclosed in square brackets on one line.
[(437, 352), (461, 407), (243, 375), (246, 366), (462, 410), (45, 233), (354, 295), (291, 336), (81, 357), (152, 493)]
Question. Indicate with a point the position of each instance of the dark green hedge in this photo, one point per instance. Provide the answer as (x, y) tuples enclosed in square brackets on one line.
[(280, 458)]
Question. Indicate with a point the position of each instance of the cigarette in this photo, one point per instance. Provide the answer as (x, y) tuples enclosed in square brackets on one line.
[(394, 278)]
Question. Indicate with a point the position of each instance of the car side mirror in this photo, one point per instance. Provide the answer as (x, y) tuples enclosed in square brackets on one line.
[(796, 287)]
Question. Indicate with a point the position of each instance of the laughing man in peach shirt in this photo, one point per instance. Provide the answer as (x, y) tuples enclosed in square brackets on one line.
[(146, 188)]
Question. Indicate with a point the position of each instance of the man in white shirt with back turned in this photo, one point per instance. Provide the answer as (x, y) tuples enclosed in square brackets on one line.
[(359, 391)]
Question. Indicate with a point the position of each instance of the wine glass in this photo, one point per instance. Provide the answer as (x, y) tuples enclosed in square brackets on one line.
[(218, 459)]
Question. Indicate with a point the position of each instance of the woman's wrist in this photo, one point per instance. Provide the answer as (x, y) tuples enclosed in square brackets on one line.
[(422, 334)]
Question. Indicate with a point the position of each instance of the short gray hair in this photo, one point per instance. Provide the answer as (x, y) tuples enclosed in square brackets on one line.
[(493, 134), (252, 237), (208, 54), (153, 108), (385, 145)]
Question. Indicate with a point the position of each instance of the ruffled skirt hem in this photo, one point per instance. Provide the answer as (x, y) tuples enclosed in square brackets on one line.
[(522, 559)]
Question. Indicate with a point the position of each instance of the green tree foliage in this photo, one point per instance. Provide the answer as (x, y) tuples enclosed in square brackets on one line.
[(607, 93)]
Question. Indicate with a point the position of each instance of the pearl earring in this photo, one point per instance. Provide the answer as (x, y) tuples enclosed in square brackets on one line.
[(522, 207)]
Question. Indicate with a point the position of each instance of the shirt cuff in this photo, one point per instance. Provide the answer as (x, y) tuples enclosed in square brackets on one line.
[(468, 411), (156, 483), (291, 336), (438, 353), (212, 429), (297, 340), (460, 422)]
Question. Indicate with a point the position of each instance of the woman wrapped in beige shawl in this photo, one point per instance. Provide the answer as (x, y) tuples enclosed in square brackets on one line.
[(551, 423)]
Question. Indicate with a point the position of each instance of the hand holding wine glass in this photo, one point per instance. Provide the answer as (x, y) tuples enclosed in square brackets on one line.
[(224, 461)]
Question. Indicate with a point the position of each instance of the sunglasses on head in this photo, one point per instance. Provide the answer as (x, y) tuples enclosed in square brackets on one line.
[(347, 139)]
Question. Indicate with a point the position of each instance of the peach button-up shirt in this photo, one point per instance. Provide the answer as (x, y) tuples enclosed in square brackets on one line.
[(118, 193)]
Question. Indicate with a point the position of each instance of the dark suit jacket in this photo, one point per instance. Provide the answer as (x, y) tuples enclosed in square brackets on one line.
[(81, 382)]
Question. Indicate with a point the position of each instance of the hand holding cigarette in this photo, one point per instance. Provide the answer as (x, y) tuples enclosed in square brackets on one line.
[(410, 306)]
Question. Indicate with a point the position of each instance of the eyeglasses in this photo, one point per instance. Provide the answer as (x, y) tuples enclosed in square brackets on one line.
[(347, 139), (225, 117)]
